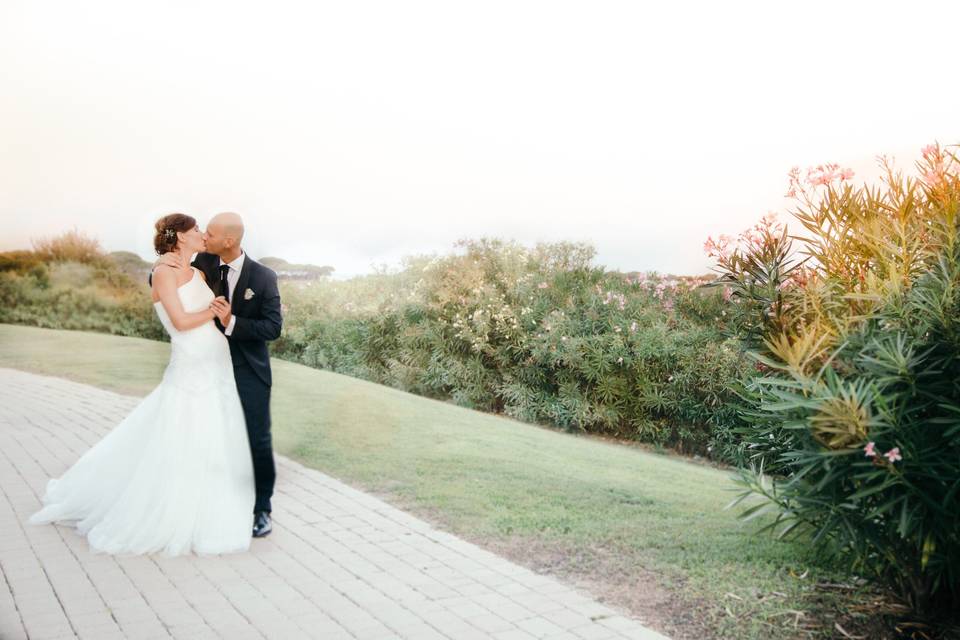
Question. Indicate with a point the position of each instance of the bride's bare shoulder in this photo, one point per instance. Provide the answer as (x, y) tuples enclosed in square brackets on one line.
[(162, 275)]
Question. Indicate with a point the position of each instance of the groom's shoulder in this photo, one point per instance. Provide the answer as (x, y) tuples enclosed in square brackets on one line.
[(259, 266), (262, 269), (203, 259)]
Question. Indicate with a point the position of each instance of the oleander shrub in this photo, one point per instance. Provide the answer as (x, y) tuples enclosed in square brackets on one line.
[(539, 334), (853, 419)]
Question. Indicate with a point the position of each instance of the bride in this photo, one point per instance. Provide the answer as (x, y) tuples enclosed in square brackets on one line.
[(176, 474)]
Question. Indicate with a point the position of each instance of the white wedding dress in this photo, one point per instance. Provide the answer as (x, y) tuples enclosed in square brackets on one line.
[(176, 474)]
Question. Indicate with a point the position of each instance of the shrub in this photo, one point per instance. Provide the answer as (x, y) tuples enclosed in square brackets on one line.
[(72, 246), (856, 407), (68, 283), (539, 334)]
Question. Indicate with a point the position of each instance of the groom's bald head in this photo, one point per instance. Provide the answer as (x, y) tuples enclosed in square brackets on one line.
[(230, 224), (224, 234)]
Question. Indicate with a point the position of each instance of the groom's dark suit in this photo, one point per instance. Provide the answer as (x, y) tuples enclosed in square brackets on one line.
[(255, 304)]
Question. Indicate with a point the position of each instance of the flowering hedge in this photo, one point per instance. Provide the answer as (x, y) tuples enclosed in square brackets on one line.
[(539, 334), (856, 407)]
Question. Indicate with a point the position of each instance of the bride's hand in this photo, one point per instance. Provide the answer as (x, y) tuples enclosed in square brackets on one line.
[(221, 309)]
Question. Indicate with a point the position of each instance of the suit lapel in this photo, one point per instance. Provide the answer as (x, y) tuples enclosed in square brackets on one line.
[(209, 264), (242, 283)]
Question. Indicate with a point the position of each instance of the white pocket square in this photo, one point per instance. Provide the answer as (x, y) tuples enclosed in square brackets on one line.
[(248, 294)]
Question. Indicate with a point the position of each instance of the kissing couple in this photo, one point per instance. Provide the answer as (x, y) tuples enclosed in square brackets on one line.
[(184, 471)]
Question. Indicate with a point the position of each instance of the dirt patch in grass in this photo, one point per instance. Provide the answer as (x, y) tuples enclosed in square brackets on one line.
[(609, 576)]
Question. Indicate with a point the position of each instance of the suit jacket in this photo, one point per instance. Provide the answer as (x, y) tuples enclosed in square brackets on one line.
[(258, 318), (256, 306)]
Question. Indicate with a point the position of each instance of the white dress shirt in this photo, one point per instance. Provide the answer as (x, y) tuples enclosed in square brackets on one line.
[(232, 276)]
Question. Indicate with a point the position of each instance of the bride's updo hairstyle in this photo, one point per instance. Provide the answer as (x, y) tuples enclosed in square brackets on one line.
[(167, 228)]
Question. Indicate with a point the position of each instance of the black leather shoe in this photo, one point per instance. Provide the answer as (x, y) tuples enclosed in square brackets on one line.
[(262, 524)]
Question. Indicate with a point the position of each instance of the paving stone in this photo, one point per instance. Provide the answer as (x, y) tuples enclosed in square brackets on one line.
[(340, 564)]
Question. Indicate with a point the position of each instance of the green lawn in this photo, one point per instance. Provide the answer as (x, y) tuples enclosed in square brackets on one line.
[(605, 511)]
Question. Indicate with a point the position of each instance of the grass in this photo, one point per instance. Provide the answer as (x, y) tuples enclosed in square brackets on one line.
[(649, 531)]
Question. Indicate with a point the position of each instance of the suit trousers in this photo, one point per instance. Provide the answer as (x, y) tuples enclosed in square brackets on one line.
[(255, 398)]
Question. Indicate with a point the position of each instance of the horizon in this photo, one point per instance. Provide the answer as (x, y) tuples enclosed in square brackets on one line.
[(335, 275)]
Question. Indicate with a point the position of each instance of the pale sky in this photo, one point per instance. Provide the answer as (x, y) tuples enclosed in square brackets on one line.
[(352, 133)]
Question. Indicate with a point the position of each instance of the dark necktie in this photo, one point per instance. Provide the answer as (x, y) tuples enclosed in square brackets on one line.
[(224, 284)]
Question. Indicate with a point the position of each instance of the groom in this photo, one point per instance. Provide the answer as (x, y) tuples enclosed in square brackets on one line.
[(248, 313)]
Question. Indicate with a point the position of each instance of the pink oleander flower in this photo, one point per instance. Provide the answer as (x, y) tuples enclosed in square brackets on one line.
[(822, 174), (718, 248), (870, 450), (752, 237), (893, 455)]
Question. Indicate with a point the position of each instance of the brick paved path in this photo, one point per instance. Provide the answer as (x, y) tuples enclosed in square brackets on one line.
[(340, 564)]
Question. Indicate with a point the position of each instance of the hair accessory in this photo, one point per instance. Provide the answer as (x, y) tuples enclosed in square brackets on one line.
[(169, 233)]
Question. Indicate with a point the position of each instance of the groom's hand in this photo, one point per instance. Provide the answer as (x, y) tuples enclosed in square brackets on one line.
[(170, 259), (221, 309)]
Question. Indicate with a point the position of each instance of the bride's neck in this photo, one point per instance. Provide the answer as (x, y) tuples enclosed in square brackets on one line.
[(184, 256)]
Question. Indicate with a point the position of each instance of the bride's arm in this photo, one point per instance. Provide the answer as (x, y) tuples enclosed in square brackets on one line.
[(165, 284)]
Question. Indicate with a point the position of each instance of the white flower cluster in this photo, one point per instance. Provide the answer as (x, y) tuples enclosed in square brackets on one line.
[(492, 318), (618, 297), (433, 262)]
